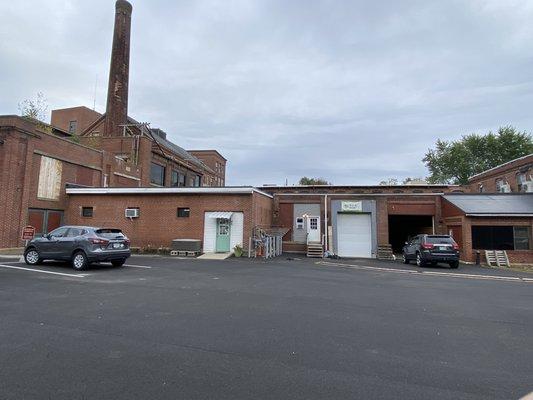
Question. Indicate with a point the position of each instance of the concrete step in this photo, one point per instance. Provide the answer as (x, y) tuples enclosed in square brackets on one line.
[(215, 256)]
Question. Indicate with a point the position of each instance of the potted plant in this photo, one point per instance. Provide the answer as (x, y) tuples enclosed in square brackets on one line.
[(238, 250)]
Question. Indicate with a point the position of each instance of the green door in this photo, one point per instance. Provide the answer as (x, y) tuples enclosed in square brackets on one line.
[(223, 234)]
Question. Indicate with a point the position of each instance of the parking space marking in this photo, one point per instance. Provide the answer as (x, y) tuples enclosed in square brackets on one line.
[(137, 266), (435, 273), (44, 272)]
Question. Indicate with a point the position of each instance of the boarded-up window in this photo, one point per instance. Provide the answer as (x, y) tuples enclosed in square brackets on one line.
[(49, 178)]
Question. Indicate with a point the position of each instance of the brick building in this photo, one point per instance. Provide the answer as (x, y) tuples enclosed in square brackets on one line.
[(37, 162), (214, 160), (82, 147), (511, 177), (165, 214)]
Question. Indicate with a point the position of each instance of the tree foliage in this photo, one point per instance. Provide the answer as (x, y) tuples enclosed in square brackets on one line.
[(305, 181), (456, 161), (36, 108)]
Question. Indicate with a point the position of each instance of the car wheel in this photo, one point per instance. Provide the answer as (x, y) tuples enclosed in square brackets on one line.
[(419, 261), (454, 264), (79, 261), (405, 260), (32, 257), (118, 263)]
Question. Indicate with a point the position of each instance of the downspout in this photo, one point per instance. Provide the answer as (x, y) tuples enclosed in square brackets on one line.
[(326, 222)]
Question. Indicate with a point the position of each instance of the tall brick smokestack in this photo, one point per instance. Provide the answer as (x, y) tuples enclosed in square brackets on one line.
[(117, 92)]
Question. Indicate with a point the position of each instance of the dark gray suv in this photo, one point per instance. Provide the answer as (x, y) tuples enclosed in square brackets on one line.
[(81, 245), (431, 249)]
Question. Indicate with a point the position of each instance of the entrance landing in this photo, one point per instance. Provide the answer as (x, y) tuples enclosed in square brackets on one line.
[(215, 256)]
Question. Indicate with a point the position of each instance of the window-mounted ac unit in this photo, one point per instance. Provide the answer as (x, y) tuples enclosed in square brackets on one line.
[(132, 213), (527, 186), (505, 188)]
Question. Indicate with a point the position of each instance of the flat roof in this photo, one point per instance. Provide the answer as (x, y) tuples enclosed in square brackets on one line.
[(503, 204), (169, 190), (414, 185)]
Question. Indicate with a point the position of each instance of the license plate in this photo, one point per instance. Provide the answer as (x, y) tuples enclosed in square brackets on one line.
[(117, 245), (442, 248)]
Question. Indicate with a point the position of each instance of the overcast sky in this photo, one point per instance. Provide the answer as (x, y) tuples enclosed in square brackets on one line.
[(352, 91)]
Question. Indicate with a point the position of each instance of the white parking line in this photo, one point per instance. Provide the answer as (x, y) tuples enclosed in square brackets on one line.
[(410, 271), (44, 272), (137, 266)]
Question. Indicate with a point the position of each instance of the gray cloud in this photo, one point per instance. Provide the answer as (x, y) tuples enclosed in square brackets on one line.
[(350, 91)]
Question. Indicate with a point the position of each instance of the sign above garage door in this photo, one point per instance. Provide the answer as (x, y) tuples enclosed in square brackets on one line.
[(352, 206)]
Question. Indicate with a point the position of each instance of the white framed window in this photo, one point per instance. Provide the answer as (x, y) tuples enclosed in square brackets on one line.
[(299, 223)]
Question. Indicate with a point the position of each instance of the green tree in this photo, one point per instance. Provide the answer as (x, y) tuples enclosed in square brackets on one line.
[(389, 182), (305, 181), (456, 161), (36, 108)]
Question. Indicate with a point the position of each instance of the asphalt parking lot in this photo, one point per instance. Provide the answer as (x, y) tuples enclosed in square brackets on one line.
[(164, 328)]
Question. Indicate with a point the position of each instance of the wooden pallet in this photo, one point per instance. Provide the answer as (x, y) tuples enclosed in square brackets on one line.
[(315, 250), (385, 252), (497, 258)]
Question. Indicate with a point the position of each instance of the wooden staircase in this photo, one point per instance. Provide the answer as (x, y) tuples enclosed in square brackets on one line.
[(315, 249), (497, 258)]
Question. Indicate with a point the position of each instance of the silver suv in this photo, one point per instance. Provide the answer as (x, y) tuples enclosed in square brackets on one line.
[(81, 245)]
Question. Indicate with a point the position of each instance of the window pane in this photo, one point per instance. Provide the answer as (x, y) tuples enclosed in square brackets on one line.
[(521, 238), (74, 232), (439, 239), (59, 232), (157, 174), (492, 237), (87, 211), (184, 212), (175, 178)]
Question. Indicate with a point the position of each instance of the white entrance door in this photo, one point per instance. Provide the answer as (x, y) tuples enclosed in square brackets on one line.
[(313, 229), (354, 235)]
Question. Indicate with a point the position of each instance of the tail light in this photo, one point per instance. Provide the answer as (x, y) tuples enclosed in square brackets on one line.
[(127, 242), (101, 242), (427, 246), (455, 246)]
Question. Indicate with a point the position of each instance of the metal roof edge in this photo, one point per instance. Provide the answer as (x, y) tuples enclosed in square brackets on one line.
[(164, 190), (499, 166)]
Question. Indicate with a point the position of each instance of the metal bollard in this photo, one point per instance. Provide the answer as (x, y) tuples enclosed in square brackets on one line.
[(478, 257)]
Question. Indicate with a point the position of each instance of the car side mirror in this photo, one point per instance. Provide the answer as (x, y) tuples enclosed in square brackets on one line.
[(47, 236)]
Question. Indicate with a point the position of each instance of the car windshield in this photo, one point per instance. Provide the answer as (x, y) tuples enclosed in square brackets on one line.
[(439, 240), (110, 233)]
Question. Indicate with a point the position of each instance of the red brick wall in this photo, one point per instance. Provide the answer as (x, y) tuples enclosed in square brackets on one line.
[(210, 158), (515, 256), (158, 223), (25, 143), (83, 115), (506, 172), (13, 153)]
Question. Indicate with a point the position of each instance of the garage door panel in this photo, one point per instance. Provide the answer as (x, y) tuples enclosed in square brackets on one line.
[(354, 235)]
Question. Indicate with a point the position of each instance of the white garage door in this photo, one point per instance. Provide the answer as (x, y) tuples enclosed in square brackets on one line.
[(354, 235)]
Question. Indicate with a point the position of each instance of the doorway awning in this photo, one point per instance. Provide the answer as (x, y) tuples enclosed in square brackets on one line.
[(220, 214)]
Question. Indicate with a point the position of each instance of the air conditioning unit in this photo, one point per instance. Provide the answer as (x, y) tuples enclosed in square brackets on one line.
[(132, 213), (505, 188), (527, 186)]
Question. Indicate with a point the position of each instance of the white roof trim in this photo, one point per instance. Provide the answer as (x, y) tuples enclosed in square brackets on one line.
[(220, 214), (168, 190), (501, 165)]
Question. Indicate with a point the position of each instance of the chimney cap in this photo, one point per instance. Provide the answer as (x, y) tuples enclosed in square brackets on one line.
[(123, 5)]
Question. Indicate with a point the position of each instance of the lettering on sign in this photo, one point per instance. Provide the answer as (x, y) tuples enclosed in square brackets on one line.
[(28, 232), (353, 206)]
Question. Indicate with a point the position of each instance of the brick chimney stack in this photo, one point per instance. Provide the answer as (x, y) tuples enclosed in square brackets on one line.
[(117, 92)]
